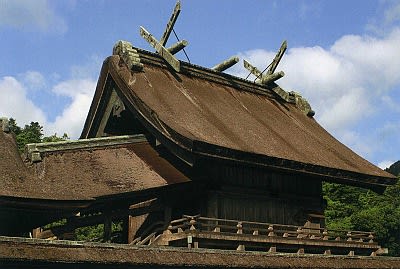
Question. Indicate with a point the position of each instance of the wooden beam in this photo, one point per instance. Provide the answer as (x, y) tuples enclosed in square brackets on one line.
[(171, 23), (96, 219), (168, 57), (263, 79), (277, 58), (107, 228), (272, 77), (252, 68), (178, 46), (226, 64)]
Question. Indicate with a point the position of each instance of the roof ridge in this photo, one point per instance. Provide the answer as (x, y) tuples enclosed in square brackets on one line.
[(134, 58), (33, 152)]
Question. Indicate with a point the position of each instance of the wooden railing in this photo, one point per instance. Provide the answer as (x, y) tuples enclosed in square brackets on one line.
[(197, 231), (268, 229)]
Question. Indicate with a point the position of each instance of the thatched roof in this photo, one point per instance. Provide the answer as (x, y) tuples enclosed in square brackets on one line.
[(200, 112)]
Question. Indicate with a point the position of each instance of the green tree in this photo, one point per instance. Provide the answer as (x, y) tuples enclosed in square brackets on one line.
[(55, 138), (352, 208), (32, 133)]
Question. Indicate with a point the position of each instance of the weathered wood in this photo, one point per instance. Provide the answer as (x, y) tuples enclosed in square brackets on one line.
[(226, 64), (96, 219), (277, 58), (162, 51), (240, 248), (136, 221), (171, 23), (263, 79), (271, 78), (251, 68), (178, 46)]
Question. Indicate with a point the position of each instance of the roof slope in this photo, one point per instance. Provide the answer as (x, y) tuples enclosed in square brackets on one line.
[(216, 114), (85, 169), (15, 178)]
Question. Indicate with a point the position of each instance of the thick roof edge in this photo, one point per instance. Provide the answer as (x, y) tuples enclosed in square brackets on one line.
[(33, 151), (377, 183)]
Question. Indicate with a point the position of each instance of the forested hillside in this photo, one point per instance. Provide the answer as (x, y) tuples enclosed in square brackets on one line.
[(359, 209)]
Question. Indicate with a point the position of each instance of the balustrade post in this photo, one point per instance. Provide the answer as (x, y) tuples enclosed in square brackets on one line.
[(192, 223), (271, 230), (168, 230), (325, 235), (239, 227), (371, 238), (349, 236), (189, 241), (299, 232)]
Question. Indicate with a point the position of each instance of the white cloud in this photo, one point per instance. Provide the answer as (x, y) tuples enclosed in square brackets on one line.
[(33, 79), (345, 84), (385, 164), (390, 103), (392, 14), (31, 15), (74, 114), (15, 103), (340, 82)]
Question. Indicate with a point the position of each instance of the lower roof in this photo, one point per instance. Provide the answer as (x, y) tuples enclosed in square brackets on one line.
[(21, 252), (84, 170)]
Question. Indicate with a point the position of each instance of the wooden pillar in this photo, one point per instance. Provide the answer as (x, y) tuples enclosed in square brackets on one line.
[(36, 232), (107, 226), (135, 222)]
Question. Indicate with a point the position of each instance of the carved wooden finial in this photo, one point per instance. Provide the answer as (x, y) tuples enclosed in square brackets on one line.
[(168, 57), (277, 58), (263, 79), (171, 23), (167, 54)]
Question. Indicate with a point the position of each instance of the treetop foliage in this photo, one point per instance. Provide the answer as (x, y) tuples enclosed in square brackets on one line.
[(32, 133)]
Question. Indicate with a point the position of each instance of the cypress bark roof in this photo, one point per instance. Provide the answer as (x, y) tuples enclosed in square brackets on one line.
[(200, 112), (18, 252), (83, 170)]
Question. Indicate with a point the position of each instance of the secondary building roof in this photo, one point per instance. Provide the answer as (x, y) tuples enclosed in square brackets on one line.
[(83, 170)]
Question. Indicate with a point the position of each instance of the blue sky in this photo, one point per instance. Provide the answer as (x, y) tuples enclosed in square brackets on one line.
[(343, 56)]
